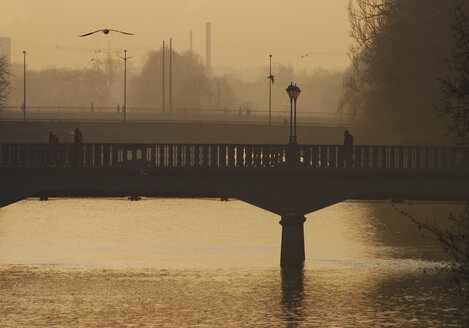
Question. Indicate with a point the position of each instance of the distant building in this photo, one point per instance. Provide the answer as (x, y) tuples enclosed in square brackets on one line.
[(5, 47)]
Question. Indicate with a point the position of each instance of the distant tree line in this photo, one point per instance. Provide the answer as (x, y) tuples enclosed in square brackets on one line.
[(194, 87)]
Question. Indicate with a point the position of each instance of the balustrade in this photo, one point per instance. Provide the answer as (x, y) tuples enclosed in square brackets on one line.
[(229, 156)]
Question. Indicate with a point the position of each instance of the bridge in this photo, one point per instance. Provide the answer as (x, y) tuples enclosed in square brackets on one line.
[(289, 180)]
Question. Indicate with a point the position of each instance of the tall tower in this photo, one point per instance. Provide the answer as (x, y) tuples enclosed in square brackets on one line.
[(208, 41)]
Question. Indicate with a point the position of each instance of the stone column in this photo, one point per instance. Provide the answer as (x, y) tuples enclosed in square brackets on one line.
[(293, 242)]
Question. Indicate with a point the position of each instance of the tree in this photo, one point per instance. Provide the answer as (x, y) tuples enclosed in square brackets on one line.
[(455, 87), (193, 88), (453, 237), (4, 80), (453, 233), (399, 50)]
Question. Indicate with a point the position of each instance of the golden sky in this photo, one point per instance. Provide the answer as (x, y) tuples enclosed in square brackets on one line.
[(244, 32)]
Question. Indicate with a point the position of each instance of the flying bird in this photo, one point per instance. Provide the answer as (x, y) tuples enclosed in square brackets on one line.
[(271, 77), (106, 31)]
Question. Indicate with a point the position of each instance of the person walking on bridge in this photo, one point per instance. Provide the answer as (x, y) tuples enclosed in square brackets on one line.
[(348, 149), (53, 151), (78, 146)]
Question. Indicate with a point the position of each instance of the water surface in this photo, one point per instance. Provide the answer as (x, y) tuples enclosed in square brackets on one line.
[(206, 263)]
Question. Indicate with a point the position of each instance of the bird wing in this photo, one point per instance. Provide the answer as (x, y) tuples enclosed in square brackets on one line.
[(90, 33), (122, 32)]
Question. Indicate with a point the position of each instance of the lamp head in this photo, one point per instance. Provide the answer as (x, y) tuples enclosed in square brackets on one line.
[(291, 90)]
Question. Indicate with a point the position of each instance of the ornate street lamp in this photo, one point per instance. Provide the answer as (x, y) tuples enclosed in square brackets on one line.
[(271, 81), (293, 92)]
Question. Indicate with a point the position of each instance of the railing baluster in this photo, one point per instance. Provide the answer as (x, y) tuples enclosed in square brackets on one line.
[(400, 159), (196, 156), (248, 156), (204, 156), (333, 156), (315, 156), (366, 157), (418, 158), (230, 156), (233, 156), (213, 156), (239, 156), (340, 157), (222, 156), (105, 151), (97, 155), (392, 158), (169, 157), (323, 157)]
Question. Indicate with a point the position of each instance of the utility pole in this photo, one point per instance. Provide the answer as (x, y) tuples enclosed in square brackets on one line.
[(170, 76), (24, 86), (271, 81), (125, 85), (164, 91)]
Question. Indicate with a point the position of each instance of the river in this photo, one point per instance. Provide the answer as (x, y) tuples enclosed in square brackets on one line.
[(206, 263)]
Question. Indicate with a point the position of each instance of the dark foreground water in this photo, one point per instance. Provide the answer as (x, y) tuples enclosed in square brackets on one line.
[(206, 263)]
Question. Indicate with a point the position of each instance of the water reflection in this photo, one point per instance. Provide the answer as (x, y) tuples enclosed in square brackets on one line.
[(180, 263), (293, 295)]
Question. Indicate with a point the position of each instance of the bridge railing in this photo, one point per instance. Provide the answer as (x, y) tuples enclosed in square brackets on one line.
[(233, 156)]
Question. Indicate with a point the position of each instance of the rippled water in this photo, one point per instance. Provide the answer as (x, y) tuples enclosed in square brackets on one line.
[(206, 263)]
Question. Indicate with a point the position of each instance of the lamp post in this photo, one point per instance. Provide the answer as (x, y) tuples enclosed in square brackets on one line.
[(163, 92), (24, 85), (295, 97), (124, 109), (271, 81), (170, 75), (293, 92)]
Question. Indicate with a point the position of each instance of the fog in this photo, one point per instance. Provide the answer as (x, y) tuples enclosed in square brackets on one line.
[(194, 87), (379, 65), (244, 32)]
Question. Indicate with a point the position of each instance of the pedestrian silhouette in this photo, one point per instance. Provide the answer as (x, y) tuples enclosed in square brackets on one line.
[(348, 149), (78, 147), (77, 136), (348, 138), (53, 150)]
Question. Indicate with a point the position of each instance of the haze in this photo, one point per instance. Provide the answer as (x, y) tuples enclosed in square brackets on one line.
[(243, 32)]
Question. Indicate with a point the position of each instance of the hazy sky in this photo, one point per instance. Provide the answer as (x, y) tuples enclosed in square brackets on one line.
[(244, 32)]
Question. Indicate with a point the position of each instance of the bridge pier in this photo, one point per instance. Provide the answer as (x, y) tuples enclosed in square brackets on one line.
[(293, 241)]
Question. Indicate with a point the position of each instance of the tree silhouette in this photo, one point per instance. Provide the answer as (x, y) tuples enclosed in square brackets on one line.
[(455, 87), (4, 80), (400, 49), (193, 87)]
